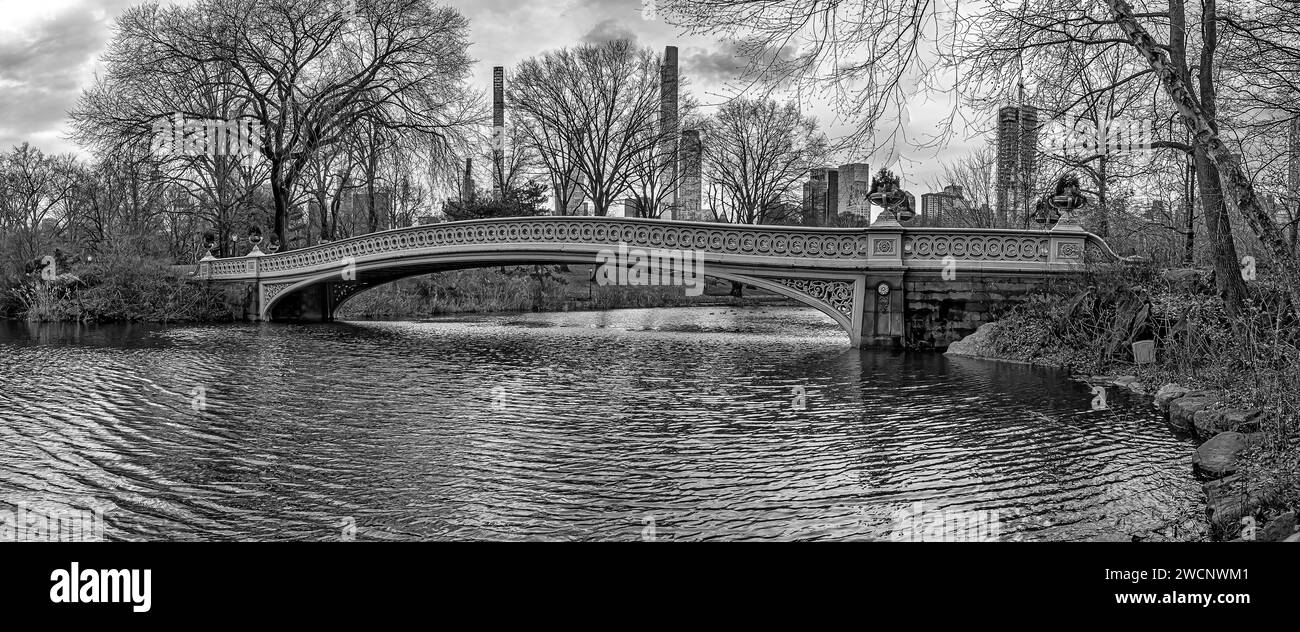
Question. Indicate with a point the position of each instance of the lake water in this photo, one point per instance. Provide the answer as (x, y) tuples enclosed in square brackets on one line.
[(667, 424)]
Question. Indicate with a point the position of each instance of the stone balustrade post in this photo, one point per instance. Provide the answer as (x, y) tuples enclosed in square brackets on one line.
[(1066, 244)]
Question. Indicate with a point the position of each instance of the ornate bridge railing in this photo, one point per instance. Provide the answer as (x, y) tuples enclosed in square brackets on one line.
[(781, 246)]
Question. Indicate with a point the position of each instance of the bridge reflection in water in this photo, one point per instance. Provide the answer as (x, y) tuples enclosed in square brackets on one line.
[(886, 285)]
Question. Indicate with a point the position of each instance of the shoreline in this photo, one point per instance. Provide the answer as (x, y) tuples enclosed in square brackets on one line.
[(1220, 433), (741, 302)]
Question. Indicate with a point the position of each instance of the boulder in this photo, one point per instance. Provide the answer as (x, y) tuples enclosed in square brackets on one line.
[(1217, 457), (1243, 420), (1226, 501), (1183, 409), (1187, 277), (1209, 421), (976, 345), (1168, 393)]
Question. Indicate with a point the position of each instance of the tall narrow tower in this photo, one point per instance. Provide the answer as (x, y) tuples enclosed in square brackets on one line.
[(467, 182), (668, 128), (498, 130), (691, 181)]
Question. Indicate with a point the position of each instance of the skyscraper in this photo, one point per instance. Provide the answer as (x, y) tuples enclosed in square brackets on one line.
[(467, 181), (1017, 159), (690, 184), (668, 127), (820, 196), (854, 184), (832, 196), (498, 130)]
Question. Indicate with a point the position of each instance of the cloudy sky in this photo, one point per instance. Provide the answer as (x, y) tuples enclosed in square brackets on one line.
[(49, 49)]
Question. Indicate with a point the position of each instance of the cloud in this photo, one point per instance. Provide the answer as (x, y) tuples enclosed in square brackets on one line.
[(43, 65), (732, 59), (606, 30), (711, 66)]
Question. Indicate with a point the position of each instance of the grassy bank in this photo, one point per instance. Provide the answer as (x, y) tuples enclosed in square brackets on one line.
[(529, 288), (1088, 325), (109, 289)]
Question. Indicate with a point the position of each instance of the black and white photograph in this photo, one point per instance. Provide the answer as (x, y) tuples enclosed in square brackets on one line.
[(651, 271)]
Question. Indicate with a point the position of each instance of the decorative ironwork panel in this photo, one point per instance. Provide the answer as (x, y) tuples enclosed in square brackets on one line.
[(837, 295), (340, 292), (1028, 248), (272, 290)]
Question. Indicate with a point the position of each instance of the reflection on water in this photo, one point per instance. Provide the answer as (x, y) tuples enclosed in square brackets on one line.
[(678, 423)]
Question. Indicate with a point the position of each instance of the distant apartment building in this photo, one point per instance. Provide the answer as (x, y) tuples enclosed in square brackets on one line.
[(821, 196), (831, 192), (854, 185), (937, 209)]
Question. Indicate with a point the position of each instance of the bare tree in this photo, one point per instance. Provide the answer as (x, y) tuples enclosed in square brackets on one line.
[(974, 173), (866, 55), (654, 172), (520, 163), (590, 111), (755, 153), (307, 72), (34, 190)]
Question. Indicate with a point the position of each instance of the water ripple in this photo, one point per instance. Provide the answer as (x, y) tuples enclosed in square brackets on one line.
[(692, 423)]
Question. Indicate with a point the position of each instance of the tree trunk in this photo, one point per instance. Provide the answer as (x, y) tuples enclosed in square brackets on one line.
[(1227, 270), (279, 191), (1189, 210), (1205, 135), (372, 166), (1218, 227), (1103, 200)]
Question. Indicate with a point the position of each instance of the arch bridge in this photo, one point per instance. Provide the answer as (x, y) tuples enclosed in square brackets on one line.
[(886, 285)]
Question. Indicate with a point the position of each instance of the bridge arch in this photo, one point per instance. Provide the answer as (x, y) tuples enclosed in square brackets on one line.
[(886, 285), (334, 290)]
